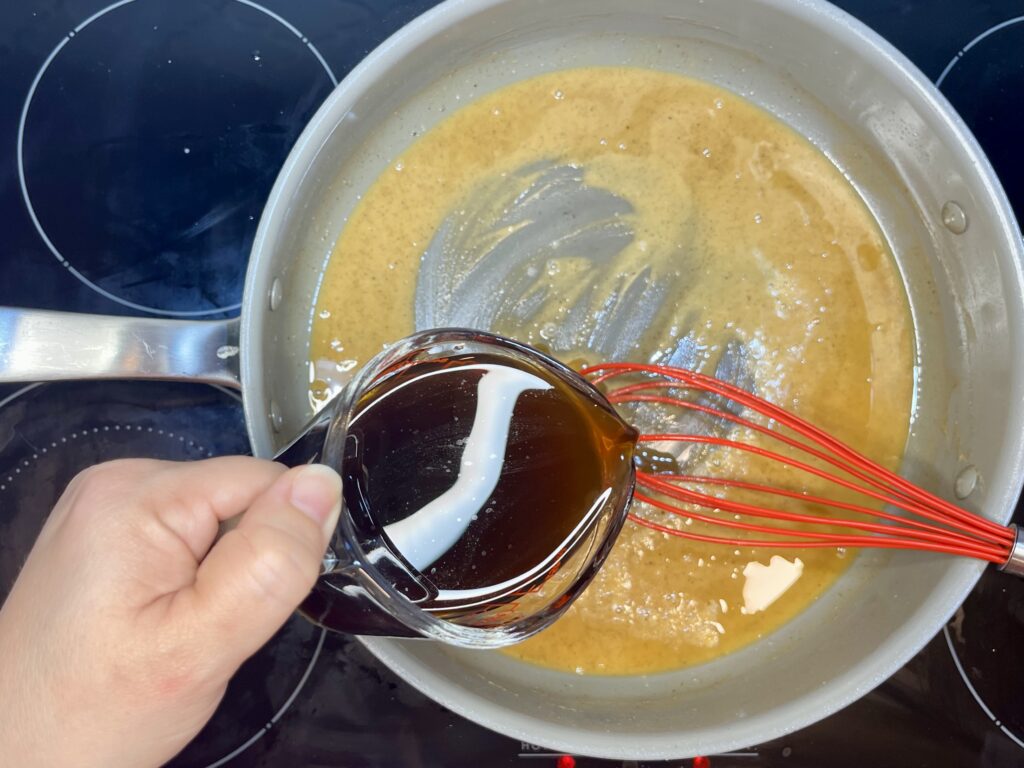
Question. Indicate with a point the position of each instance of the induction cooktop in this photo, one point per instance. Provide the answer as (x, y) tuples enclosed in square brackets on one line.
[(138, 141)]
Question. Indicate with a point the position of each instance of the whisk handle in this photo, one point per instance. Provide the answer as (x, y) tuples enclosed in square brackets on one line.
[(1015, 562)]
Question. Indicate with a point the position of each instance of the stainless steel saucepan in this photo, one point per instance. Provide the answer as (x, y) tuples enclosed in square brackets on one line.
[(888, 129)]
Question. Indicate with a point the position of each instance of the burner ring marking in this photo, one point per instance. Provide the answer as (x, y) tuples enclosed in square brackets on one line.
[(21, 158), (960, 54), (277, 716), (977, 697)]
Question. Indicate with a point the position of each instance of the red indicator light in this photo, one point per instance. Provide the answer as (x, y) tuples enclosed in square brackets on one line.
[(566, 761), (701, 762)]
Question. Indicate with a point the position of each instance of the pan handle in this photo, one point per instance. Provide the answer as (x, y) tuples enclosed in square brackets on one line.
[(40, 345)]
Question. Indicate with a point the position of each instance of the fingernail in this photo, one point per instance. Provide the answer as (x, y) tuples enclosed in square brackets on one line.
[(316, 491)]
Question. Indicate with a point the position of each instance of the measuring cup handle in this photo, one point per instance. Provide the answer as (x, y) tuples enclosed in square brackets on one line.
[(40, 345), (308, 448)]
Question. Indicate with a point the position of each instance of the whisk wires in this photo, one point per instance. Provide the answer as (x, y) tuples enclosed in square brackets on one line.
[(928, 522)]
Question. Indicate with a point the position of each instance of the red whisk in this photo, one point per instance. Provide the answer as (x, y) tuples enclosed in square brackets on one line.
[(927, 523)]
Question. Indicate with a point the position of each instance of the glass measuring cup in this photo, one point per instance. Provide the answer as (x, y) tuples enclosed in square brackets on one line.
[(378, 576)]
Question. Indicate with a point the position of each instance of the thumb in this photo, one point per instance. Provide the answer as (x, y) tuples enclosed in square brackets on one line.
[(257, 574)]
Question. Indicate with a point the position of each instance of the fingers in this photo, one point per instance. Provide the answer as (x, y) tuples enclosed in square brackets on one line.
[(175, 501), (228, 484), (191, 499), (258, 573)]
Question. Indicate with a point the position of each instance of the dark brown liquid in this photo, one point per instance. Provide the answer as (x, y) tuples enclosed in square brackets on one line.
[(567, 457)]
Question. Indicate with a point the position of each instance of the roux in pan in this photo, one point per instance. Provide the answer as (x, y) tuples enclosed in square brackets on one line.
[(712, 236)]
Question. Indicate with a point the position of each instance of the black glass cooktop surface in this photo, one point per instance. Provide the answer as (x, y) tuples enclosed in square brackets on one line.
[(138, 141)]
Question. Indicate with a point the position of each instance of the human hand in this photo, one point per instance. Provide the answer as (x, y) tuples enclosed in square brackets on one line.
[(127, 621)]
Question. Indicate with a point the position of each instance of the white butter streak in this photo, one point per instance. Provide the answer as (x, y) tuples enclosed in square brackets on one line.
[(424, 536)]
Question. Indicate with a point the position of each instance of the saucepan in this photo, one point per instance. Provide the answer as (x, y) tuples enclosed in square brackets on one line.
[(881, 122)]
